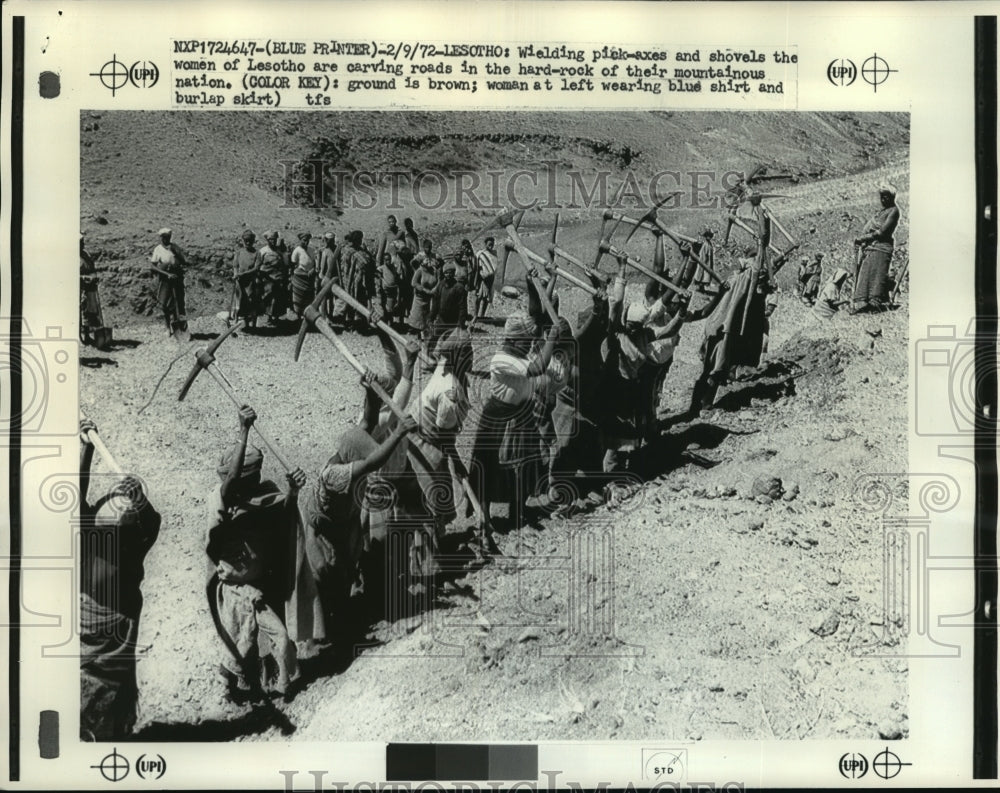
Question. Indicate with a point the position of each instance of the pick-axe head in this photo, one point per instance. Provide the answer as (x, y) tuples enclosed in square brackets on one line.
[(500, 221), (650, 216), (204, 357)]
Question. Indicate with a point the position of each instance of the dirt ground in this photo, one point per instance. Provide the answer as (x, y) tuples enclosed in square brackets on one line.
[(689, 609)]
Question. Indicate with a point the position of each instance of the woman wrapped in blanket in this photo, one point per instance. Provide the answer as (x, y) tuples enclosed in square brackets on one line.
[(514, 376)]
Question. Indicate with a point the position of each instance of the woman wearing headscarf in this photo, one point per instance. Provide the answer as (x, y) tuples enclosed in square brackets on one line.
[(734, 331), (424, 285), (576, 416), (829, 300), (116, 532), (513, 377), (245, 265), (252, 544), (273, 297), (168, 262), (871, 290), (627, 378), (303, 274), (335, 518)]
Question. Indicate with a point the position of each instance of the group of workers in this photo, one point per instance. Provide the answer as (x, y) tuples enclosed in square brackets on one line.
[(563, 406)]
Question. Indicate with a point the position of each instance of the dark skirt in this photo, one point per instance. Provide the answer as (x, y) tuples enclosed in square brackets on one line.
[(170, 295), (487, 475), (108, 691), (873, 277), (273, 298), (90, 307), (303, 292)]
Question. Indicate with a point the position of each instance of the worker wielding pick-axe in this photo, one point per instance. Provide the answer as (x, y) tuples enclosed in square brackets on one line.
[(572, 277), (529, 258), (606, 247), (656, 225), (418, 450), (205, 361), (105, 453)]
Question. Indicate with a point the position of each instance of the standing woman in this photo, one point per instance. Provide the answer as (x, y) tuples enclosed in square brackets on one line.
[(513, 377), (871, 291), (424, 284), (303, 274), (168, 263)]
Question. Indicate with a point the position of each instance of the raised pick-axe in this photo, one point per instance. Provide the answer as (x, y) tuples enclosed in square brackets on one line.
[(621, 255), (650, 216), (431, 454), (106, 455), (551, 266), (555, 250), (555, 268), (330, 286), (205, 360), (418, 447), (676, 237), (506, 219), (777, 225), (604, 222), (656, 225), (738, 221)]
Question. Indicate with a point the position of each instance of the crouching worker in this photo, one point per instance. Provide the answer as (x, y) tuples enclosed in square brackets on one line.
[(251, 542), (116, 533)]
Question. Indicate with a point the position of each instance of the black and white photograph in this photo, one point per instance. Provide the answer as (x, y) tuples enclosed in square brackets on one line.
[(514, 425)]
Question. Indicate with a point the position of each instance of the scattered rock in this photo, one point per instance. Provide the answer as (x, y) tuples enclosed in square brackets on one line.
[(890, 731), (791, 492), (826, 626), (527, 635), (832, 577), (769, 486)]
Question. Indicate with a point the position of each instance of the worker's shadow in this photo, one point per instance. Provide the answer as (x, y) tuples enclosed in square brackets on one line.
[(254, 722), (672, 450), (96, 362), (772, 384), (123, 344)]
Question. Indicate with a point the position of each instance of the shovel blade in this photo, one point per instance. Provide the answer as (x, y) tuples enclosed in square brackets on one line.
[(103, 338), (179, 330)]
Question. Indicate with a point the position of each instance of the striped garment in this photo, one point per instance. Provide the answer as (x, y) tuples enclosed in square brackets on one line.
[(487, 263)]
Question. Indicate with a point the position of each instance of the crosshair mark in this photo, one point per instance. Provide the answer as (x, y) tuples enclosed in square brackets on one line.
[(887, 764), (113, 75), (875, 71)]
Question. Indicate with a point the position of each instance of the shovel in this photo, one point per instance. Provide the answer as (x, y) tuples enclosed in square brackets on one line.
[(178, 325), (103, 335)]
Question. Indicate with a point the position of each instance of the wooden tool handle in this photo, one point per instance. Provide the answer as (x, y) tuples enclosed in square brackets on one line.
[(348, 298), (266, 439), (430, 453), (106, 455)]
